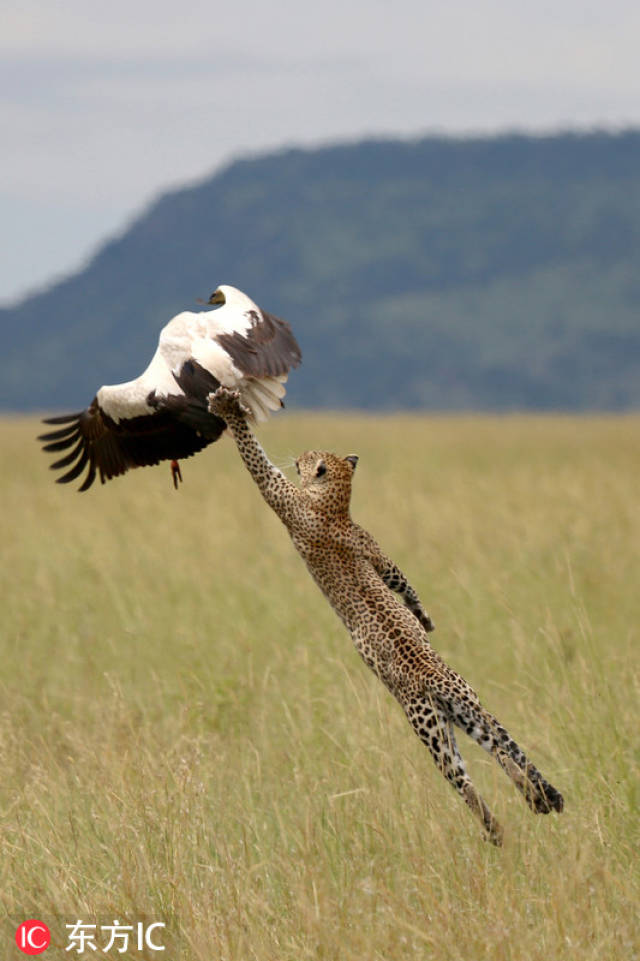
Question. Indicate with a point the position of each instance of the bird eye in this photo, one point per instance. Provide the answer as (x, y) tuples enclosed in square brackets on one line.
[(321, 469)]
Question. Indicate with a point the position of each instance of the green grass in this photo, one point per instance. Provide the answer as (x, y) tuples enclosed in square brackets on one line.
[(187, 734)]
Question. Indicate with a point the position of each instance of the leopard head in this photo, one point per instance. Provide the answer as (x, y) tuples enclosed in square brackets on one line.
[(326, 478)]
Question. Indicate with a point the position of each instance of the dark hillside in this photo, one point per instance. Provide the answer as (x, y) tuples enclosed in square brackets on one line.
[(492, 273)]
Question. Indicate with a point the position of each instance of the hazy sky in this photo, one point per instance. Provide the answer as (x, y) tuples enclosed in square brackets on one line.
[(103, 106)]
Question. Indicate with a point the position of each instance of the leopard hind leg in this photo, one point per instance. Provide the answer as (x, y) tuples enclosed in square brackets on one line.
[(483, 727), (436, 731)]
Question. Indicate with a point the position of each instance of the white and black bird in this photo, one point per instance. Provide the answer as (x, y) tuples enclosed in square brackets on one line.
[(162, 414)]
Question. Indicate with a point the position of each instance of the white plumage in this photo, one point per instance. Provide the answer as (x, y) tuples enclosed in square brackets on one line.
[(162, 414)]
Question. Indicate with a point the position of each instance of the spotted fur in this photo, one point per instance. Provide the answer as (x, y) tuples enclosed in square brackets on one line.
[(361, 584)]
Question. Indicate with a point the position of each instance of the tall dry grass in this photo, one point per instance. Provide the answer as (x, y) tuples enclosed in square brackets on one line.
[(187, 735)]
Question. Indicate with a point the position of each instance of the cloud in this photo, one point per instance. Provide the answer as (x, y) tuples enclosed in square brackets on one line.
[(104, 106)]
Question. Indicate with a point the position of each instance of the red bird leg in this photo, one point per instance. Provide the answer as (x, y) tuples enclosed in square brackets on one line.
[(176, 473)]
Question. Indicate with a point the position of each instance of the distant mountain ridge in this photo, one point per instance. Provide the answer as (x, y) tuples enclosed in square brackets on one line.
[(491, 273)]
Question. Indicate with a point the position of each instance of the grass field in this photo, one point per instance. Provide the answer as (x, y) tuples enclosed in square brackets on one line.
[(187, 734)]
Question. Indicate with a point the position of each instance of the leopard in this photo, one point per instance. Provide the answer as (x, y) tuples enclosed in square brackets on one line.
[(382, 612)]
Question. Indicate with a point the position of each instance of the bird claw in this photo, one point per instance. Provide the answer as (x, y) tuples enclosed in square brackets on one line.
[(226, 401)]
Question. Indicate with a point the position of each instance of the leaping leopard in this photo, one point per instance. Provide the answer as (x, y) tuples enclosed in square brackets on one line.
[(361, 584)]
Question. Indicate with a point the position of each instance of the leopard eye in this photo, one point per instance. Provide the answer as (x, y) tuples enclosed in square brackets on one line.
[(321, 469)]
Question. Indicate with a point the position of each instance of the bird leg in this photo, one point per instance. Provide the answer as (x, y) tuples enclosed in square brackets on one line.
[(176, 473)]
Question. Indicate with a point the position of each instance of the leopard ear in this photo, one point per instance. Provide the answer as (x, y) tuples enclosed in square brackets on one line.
[(353, 460)]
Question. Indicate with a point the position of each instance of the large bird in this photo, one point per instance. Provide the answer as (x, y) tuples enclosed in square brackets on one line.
[(162, 414)]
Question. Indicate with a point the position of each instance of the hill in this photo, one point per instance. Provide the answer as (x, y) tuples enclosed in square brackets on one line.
[(497, 273)]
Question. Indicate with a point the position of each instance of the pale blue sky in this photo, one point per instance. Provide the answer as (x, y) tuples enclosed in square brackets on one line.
[(103, 106)]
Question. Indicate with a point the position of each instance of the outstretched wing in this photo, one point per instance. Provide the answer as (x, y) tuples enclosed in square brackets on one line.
[(267, 349), (103, 446)]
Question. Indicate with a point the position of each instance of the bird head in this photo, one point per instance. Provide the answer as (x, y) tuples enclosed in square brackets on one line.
[(217, 297), (232, 297)]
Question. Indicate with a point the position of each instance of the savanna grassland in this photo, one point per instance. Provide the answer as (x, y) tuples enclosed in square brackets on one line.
[(187, 734)]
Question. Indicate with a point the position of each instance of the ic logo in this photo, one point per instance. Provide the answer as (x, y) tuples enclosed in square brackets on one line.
[(33, 937)]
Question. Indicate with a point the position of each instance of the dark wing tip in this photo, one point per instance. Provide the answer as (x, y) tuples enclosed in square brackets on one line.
[(63, 419), (69, 436), (66, 432), (68, 458), (77, 468), (89, 479)]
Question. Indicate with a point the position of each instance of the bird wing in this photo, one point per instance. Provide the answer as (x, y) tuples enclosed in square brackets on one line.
[(163, 414), (95, 441), (238, 345), (265, 347)]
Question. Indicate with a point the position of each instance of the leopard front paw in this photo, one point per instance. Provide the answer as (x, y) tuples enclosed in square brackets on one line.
[(226, 402)]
